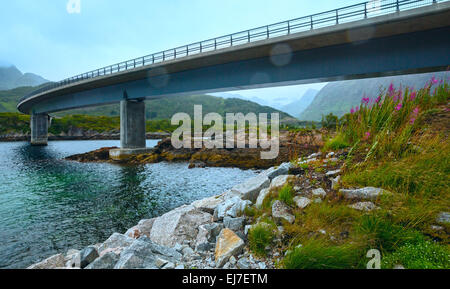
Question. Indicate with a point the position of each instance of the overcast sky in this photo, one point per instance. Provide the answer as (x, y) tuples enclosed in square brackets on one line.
[(44, 38)]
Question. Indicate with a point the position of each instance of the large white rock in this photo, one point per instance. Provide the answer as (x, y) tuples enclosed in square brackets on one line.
[(262, 196), (143, 228), (209, 204), (281, 181), (250, 189), (280, 211), (178, 225), (116, 243), (53, 262), (228, 244), (368, 193), (302, 202), (274, 172), (233, 207)]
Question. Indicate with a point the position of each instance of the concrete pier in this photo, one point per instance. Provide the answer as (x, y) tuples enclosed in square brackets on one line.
[(132, 130), (39, 129)]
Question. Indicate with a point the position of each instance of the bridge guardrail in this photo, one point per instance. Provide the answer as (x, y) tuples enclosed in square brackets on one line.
[(361, 11)]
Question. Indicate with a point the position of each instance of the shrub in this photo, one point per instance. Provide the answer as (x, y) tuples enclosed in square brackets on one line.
[(336, 143), (260, 236), (420, 255)]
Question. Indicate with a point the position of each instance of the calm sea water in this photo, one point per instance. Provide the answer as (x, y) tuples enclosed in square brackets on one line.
[(48, 205)]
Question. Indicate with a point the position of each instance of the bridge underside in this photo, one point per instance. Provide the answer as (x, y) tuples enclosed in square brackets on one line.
[(418, 52)]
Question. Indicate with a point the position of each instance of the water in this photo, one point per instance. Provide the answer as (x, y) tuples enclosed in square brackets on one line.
[(48, 205)]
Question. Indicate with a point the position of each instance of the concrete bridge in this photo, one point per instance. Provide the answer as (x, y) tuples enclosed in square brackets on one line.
[(371, 39)]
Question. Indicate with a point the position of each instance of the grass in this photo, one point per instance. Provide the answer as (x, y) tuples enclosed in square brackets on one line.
[(260, 236), (317, 254), (419, 255), (286, 194)]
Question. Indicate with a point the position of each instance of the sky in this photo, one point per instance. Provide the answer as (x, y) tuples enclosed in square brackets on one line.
[(47, 38)]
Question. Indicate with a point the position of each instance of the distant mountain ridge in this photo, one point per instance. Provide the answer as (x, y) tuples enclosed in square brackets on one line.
[(11, 77), (295, 108), (339, 97)]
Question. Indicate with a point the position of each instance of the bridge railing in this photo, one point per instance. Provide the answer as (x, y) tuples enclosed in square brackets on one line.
[(334, 17)]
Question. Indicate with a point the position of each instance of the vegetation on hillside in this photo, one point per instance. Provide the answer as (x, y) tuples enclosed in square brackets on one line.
[(397, 141)]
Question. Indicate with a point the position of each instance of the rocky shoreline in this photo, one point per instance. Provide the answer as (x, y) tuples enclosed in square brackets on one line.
[(79, 135), (213, 233)]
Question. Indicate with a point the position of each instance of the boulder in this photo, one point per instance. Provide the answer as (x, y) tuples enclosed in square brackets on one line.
[(274, 172), (107, 261), (363, 206), (280, 211), (143, 228), (368, 193), (72, 259), (208, 205), (228, 244), (234, 224), (178, 225), (280, 181), (137, 256), (170, 253), (116, 243), (302, 202), (250, 189), (233, 207), (262, 196), (443, 218), (87, 256), (319, 193), (53, 262)]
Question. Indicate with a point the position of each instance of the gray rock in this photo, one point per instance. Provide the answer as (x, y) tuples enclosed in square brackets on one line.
[(247, 228), (178, 225), (180, 267), (72, 259), (234, 224), (262, 265), (331, 154), (282, 211), (443, 218), (87, 256), (232, 207), (169, 266), (116, 243), (53, 262), (315, 155), (143, 228), (187, 252), (163, 250), (363, 206), (208, 205), (250, 189), (261, 197), (333, 173), (137, 256), (274, 172), (107, 261), (243, 264), (160, 262), (232, 261), (302, 202), (368, 193), (319, 193), (280, 181)]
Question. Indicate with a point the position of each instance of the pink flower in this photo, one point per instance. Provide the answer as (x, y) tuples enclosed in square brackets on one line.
[(378, 99), (391, 89), (434, 80), (366, 100), (399, 106), (367, 136), (352, 111), (413, 95), (414, 115)]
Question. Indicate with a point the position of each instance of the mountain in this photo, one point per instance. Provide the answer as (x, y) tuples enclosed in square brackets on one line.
[(11, 77), (10, 98), (165, 108), (296, 107), (339, 97)]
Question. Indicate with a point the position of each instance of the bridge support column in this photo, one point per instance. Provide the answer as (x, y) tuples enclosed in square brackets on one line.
[(39, 129), (132, 130)]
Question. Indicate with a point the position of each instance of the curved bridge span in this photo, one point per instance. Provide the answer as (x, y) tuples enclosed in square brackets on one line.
[(371, 39)]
